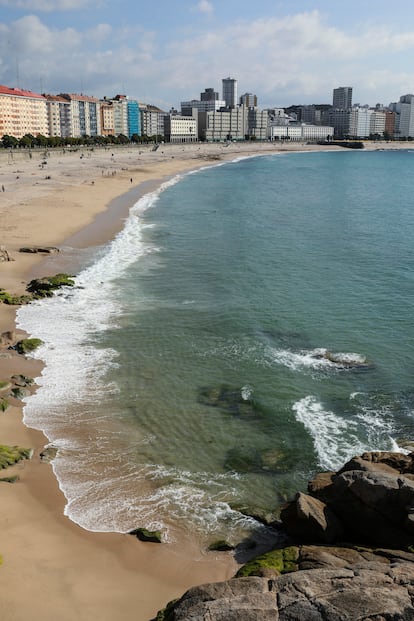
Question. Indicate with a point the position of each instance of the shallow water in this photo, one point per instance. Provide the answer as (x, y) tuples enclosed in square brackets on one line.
[(251, 324)]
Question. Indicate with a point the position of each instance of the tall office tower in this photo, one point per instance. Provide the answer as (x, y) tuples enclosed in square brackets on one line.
[(342, 98), (230, 92), (209, 95), (249, 100)]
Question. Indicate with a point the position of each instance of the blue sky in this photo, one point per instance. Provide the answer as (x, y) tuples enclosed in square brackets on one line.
[(166, 51)]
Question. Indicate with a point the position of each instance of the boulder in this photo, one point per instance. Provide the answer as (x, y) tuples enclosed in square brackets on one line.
[(310, 519)]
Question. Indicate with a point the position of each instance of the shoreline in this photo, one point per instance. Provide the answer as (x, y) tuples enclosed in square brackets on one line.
[(47, 557)]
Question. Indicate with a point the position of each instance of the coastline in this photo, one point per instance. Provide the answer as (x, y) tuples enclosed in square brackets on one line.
[(48, 560)]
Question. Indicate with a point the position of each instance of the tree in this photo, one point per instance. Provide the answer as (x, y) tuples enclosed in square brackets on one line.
[(9, 142)]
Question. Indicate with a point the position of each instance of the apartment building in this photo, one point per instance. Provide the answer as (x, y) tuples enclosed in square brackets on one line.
[(85, 115), (22, 112), (152, 120), (179, 128), (58, 113), (404, 116), (222, 125), (300, 132)]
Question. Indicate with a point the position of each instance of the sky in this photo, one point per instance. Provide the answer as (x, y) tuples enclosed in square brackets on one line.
[(164, 51)]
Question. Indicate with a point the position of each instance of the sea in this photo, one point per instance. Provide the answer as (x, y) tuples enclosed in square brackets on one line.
[(250, 326)]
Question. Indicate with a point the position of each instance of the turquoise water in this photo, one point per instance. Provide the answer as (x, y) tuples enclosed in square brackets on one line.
[(197, 379)]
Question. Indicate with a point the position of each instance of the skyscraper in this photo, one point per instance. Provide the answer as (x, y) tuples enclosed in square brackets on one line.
[(342, 98), (230, 92)]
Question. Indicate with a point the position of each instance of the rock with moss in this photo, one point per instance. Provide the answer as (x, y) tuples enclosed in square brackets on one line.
[(14, 300), (10, 455), (152, 536), (44, 287), (25, 346), (12, 479), (280, 561), (4, 404)]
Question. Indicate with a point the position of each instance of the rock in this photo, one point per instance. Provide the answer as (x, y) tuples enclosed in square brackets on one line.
[(19, 393), (41, 249), (153, 536), (220, 546), (10, 455), (370, 502), (4, 255), (48, 454), (309, 519), (236, 401), (372, 496), (27, 345), (44, 287), (22, 380), (12, 479), (312, 595), (4, 404)]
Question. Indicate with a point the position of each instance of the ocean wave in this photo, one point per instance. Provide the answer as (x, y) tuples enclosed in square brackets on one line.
[(316, 359), (337, 439)]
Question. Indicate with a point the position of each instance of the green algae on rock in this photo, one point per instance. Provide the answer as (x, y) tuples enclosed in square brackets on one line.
[(25, 346), (10, 455)]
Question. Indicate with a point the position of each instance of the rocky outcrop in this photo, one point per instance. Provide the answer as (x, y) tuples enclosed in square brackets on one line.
[(44, 287), (369, 503), (371, 497), (314, 595)]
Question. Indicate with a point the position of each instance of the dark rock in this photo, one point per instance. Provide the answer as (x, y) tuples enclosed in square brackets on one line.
[(153, 536), (41, 249), (220, 546), (22, 380), (309, 519), (48, 454)]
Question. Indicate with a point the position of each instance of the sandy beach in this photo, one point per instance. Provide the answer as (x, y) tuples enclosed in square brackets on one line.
[(51, 567)]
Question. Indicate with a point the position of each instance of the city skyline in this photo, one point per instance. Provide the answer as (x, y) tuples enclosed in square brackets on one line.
[(165, 53)]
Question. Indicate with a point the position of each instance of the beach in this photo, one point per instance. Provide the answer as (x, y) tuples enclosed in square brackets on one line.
[(50, 565)]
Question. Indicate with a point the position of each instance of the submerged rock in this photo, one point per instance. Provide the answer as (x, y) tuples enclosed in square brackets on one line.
[(236, 401)]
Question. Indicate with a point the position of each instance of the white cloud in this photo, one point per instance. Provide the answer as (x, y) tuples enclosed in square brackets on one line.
[(295, 59), (204, 6), (49, 5)]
